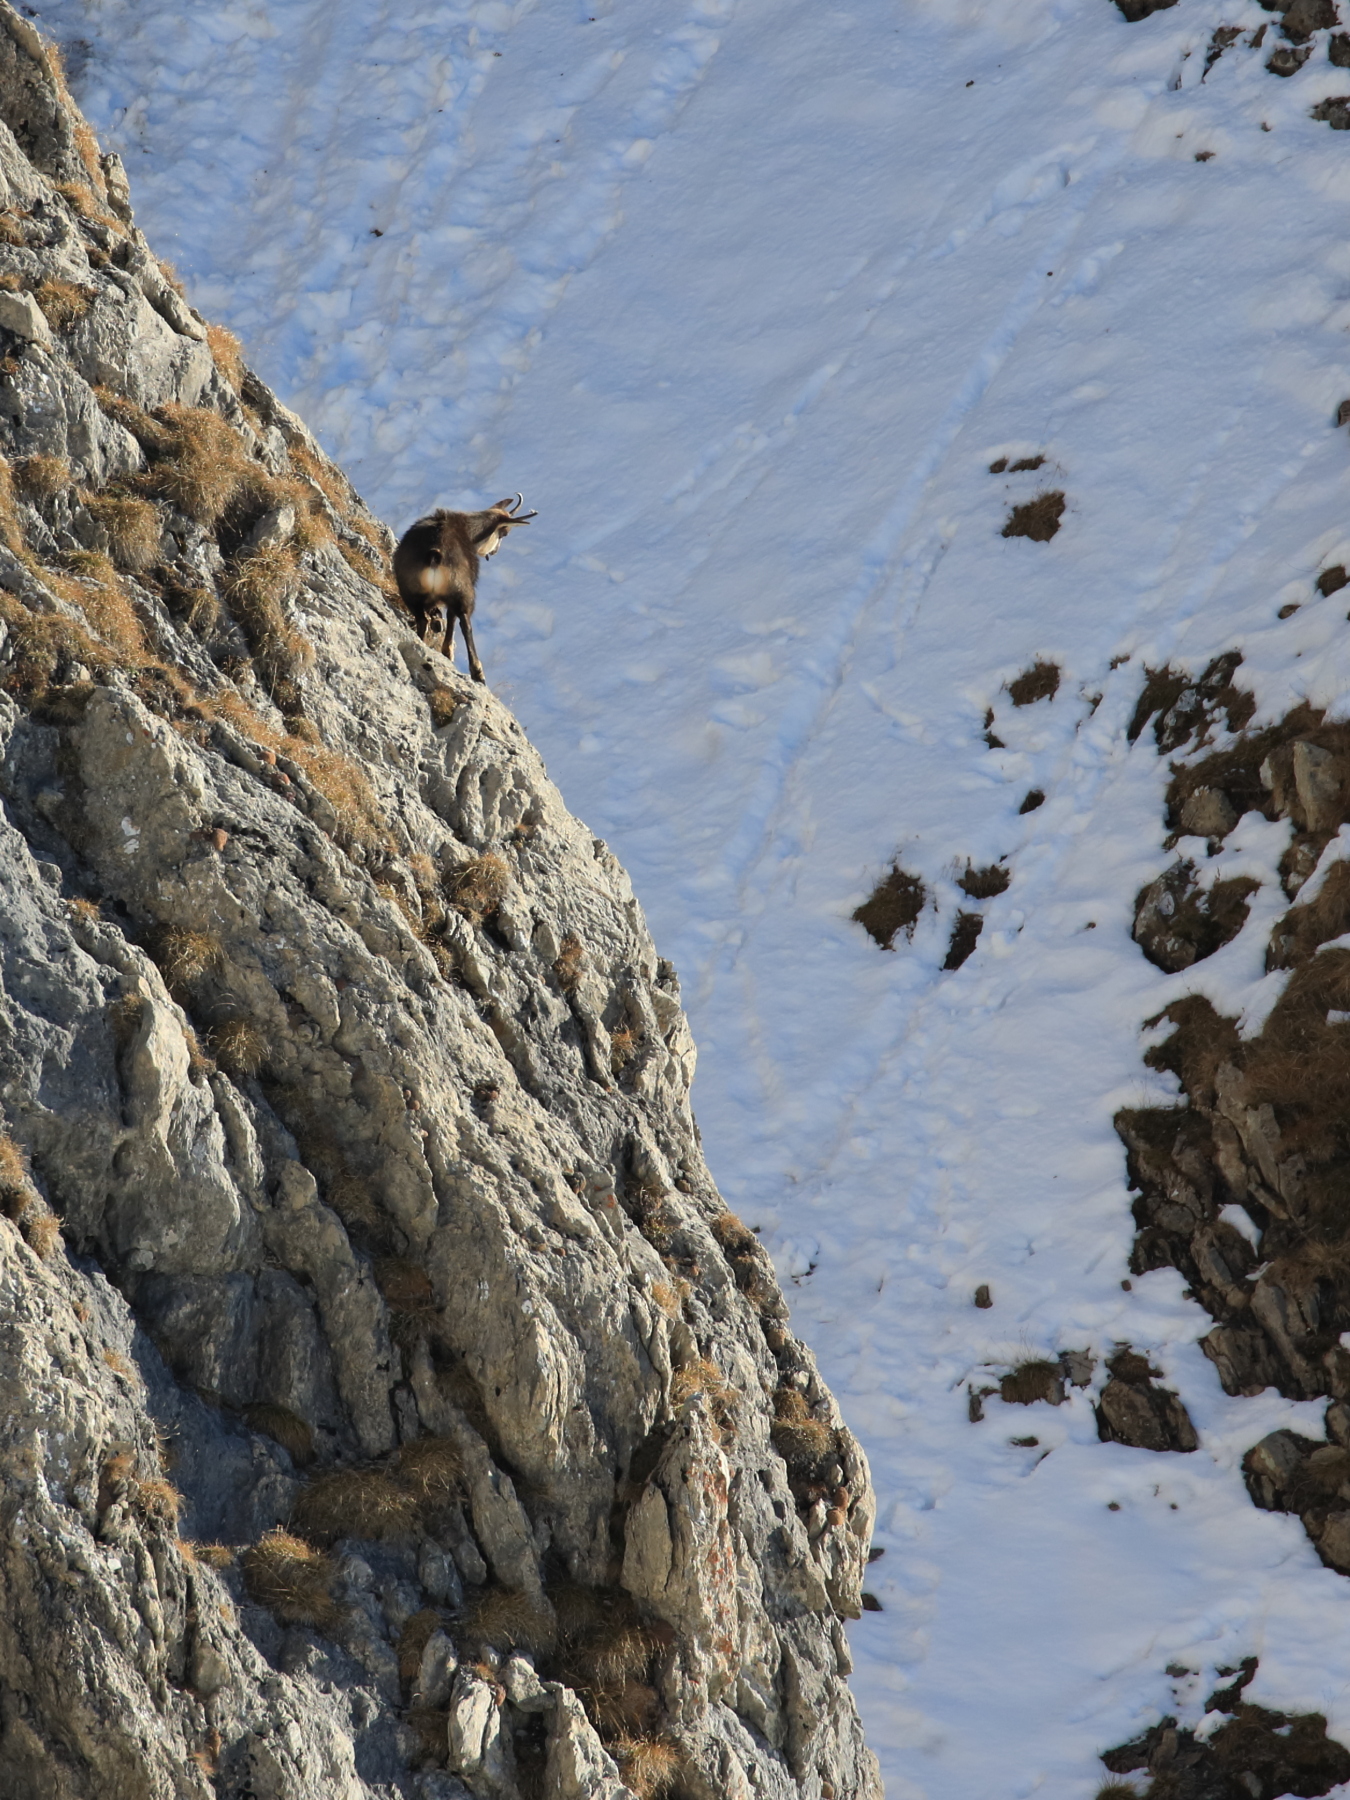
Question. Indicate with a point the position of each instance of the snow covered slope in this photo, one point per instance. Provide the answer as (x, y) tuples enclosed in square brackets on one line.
[(747, 297)]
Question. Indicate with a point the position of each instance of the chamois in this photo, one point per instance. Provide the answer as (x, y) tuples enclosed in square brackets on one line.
[(436, 568)]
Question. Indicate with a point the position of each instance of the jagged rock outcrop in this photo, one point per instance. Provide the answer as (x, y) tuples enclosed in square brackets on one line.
[(397, 1409)]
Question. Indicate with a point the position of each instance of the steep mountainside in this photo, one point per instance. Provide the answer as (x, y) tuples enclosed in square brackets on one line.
[(391, 1405)]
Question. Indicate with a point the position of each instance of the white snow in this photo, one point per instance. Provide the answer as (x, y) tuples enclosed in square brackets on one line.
[(746, 295)]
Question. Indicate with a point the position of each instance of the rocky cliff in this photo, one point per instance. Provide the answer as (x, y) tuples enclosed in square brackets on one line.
[(391, 1406)]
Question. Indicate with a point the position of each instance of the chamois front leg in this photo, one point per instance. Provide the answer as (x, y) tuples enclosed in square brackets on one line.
[(475, 667)]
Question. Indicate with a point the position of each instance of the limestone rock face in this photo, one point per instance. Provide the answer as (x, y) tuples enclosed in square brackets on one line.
[(398, 1411)]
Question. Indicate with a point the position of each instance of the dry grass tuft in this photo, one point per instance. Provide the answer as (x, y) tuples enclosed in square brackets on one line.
[(118, 1363), (184, 956), (570, 962), (625, 1709), (507, 1620), (1039, 682), (215, 1556), (431, 1468), (442, 703), (284, 1427), (41, 1231), (1031, 1381), (478, 888), (14, 1177), (227, 353), (64, 303), (704, 1377), (359, 1503), (40, 477), (733, 1234), (157, 1500), (894, 905), (203, 462), (649, 1766), (406, 1286), (416, 1634), (618, 1655), (983, 884), (240, 1047), (800, 1439), (291, 1579), (1038, 519), (133, 527), (96, 591)]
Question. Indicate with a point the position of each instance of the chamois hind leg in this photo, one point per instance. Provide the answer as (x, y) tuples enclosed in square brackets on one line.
[(475, 667), (448, 641)]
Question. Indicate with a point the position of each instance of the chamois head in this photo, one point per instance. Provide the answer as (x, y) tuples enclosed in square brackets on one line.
[(487, 529)]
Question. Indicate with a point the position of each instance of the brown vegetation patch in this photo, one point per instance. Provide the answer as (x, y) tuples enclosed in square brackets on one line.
[(441, 704), (184, 956), (1306, 927), (1255, 1752), (227, 353), (64, 303), (1039, 682), (478, 888), (984, 884), (358, 1503), (1035, 799), (1036, 519), (1184, 707), (1332, 580), (508, 1620), (432, 1470), (1031, 1381), (239, 1046), (133, 526), (704, 1377), (570, 962), (965, 935), (284, 1427), (41, 477), (893, 906), (292, 1579), (649, 1766)]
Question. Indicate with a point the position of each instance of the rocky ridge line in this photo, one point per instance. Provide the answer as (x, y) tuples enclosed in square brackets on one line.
[(391, 1406)]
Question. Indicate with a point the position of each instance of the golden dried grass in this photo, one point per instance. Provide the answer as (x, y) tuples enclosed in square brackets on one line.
[(284, 1427), (203, 464), (431, 1469), (240, 1047), (292, 1579), (40, 477), (649, 1766), (477, 888), (184, 956), (570, 962), (64, 303), (505, 1619), (133, 526), (441, 703), (358, 1503), (90, 583), (704, 1377), (227, 354), (413, 1639)]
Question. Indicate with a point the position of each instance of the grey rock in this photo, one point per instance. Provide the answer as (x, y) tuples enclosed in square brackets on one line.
[(341, 1166), (22, 315)]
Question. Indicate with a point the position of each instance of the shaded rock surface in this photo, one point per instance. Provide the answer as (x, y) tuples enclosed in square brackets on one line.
[(401, 1412)]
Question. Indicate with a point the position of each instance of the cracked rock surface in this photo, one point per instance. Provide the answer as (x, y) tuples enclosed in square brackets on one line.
[(399, 1411)]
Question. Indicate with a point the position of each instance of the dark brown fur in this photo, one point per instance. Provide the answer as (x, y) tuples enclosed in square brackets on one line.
[(436, 568)]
